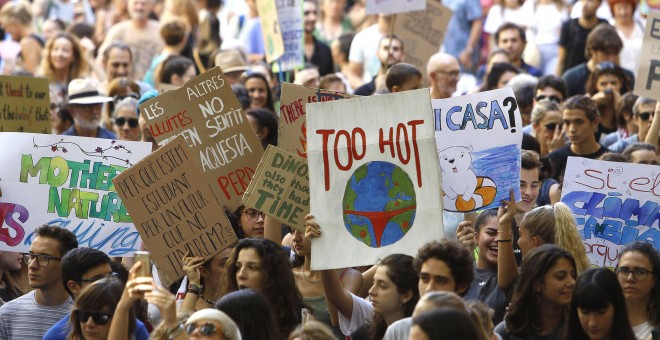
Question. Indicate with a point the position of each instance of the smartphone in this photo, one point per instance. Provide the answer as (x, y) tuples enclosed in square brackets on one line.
[(145, 258)]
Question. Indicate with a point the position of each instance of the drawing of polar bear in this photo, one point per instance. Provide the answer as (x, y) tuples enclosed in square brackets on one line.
[(463, 189)]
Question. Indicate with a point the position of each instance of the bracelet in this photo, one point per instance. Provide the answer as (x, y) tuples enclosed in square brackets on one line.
[(194, 289), (174, 333), (500, 241)]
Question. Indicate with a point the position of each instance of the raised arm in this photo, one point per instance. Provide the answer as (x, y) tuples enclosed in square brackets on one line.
[(134, 290), (654, 130), (506, 262)]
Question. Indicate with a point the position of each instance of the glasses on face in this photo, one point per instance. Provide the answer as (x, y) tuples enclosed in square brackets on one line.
[(206, 329), (551, 98), (645, 116), (132, 122), (452, 74), (42, 260), (552, 126), (638, 273), (98, 317), (253, 215), (98, 277)]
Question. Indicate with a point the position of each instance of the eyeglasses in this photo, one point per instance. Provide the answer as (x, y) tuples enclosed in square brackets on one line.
[(98, 317), (551, 98), (645, 116), (98, 277), (253, 215), (552, 126), (42, 260), (452, 74), (132, 122), (638, 273), (206, 329)]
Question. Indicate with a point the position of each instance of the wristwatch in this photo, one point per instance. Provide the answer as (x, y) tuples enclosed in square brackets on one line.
[(195, 289)]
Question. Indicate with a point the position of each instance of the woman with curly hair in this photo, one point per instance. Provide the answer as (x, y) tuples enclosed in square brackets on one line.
[(262, 265), (639, 276), (605, 86), (64, 60)]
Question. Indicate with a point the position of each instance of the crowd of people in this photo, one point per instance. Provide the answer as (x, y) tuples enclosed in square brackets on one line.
[(517, 272)]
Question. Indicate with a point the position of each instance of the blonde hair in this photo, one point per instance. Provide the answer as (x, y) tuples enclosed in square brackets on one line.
[(556, 225), (19, 11), (78, 67), (312, 330)]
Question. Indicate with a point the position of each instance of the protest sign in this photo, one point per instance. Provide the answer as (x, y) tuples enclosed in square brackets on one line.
[(280, 187), (376, 179), (173, 208), (290, 15), (66, 181), (394, 6), (614, 204), (206, 113), (292, 134), (24, 104), (162, 88), (479, 138), (422, 32), (270, 28), (648, 84)]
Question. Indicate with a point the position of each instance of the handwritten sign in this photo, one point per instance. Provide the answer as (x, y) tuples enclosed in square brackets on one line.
[(394, 6), (162, 88), (648, 84), (174, 208), (479, 138), (292, 135), (614, 204), (290, 15), (206, 113), (376, 179), (270, 28), (280, 188), (66, 181), (24, 105)]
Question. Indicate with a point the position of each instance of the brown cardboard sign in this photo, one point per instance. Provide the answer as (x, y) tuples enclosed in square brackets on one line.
[(280, 187), (423, 32), (648, 73), (292, 135), (270, 29), (173, 208), (24, 104), (206, 113)]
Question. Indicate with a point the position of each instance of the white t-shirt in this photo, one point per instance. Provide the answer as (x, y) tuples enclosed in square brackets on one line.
[(363, 51), (549, 19), (363, 312), (399, 330), (643, 331), (496, 17), (632, 48)]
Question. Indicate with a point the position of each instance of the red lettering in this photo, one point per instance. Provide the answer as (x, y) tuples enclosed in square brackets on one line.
[(385, 142), (413, 124), (349, 163), (398, 143), (636, 183), (238, 180), (355, 132), (326, 166), (589, 173), (7, 211)]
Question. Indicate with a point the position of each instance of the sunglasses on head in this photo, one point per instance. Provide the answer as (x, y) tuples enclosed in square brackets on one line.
[(132, 122), (552, 126), (98, 317), (551, 98), (606, 65), (206, 329), (644, 116)]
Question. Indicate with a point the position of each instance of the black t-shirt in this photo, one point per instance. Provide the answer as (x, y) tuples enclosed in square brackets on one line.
[(484, 287), (559, 157), (573, 39), (322, 58), (576, 79)]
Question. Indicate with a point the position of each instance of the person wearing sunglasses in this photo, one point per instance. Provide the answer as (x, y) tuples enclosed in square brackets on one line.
[(125, 119), (212, 324), (638, 272), (547, 126), (643, 113)]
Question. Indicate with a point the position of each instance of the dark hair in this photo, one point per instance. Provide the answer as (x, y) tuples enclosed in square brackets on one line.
[(266, 119), (524, 317), (79, 261), (401, 272), (510, 26), (458, 258), (345, 40), (173, 65), (173, 32), (118, 45), (605, 69), (251, 312), (82, 30), (100, 295), (483, 218), (399, 73), (594, 290), (624, 105), (269, 92), (448, 323), (603, 38), (242, 95), (65, 237), (553, 81), (391, 37), (530, 160), (530, 143), (496, 72), (646, 248), (64, 114), (584, 103), (279, 286), (637, 147)]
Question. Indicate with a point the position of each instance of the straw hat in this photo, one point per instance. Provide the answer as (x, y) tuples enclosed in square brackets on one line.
[(230, 61), (83, 91)]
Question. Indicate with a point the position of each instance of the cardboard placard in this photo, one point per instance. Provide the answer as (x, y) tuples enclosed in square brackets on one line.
[(614, 204), (422, 32), (206, 113), (290, 15), (24, 104), (479, 139), (292, 134), (162, 88), (270, 28), (648, 73), (280, 187), (173, 208), (394, 6), (376, 179), (66, 181)]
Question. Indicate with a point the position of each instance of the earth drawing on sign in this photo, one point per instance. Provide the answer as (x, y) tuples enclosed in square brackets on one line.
[(379, 204)]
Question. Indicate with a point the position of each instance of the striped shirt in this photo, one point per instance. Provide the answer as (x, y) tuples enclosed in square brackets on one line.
[(23, 318)]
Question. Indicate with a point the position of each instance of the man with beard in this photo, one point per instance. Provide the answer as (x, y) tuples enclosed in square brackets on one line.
[(85, 105), (390, 52), (316, 52)]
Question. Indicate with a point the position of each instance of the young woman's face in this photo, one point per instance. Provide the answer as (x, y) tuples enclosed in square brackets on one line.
[(212, 272), (529, 189), (487, 241), (258, 93), (93, 331), (558, 283), (524, 239), (597, 323), (300, 244), (385, 297), (504, 79), (61, 54), (633, 287), (608, 82), (550, 117), (252, 223), (248, 269)]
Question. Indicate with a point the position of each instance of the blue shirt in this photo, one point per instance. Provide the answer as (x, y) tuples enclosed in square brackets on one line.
[(102, 133), (62, 328), (460, 24)]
